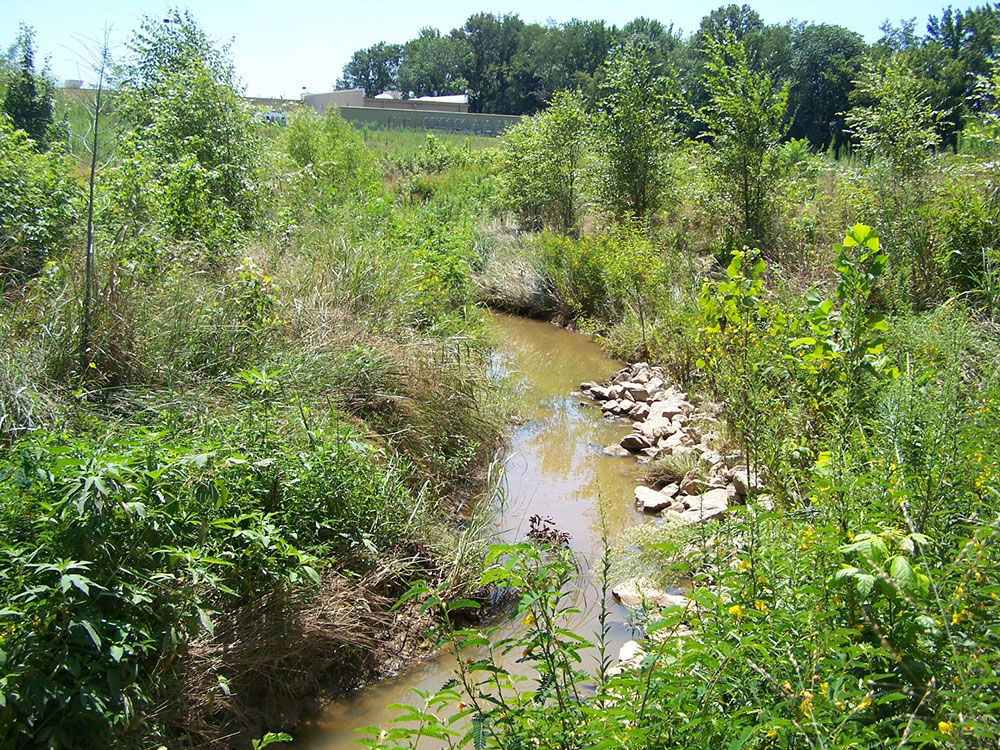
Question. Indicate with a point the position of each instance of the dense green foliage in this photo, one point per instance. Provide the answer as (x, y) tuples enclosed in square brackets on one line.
[(39, 200), (27, 100), (285, 402), (509, 66), (286, 394)]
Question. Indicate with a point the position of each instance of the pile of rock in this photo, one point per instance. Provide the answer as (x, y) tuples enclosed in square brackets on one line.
[(667, 423)]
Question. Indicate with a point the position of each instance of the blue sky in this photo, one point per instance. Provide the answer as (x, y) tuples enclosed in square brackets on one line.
[(280, 47)]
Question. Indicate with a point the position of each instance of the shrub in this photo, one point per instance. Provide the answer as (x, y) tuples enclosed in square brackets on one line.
[(41, 202), (634, 126), (191, 133), (541, 166), (746, 122)]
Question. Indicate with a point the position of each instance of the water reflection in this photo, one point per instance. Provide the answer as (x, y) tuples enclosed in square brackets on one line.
[(554, 469)]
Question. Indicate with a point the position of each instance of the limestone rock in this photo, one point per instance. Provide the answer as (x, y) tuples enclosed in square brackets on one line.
[(705, 507), (635, 442), (615, 451), (636, 391), (631, 654), (634, 591), (639, 412), (743, 482), (692, 483), (599, 393), (650, 501), (656, 427)]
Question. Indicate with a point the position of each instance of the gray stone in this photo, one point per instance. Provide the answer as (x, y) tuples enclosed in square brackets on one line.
[(616, 451), (705, 507), (635, 591), (631, 654), (657, 427), (743, 482), (674, 440), (599, 393), (692, 483), (639, 412), (731, 459), (635, 442), (649, 500), (587, 385), (636, 391), (668, 408), (610, 405)]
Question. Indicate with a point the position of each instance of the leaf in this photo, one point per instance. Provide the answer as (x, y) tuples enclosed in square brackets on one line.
[(206, 621), (116, 653), (741, 740), (90, 631), (479, 725), (270, 738), (901, 572), (865, 583)]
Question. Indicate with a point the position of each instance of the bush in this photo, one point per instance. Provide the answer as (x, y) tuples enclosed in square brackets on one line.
[(41, 202), (541, 166), (191, 136), (968, 249), (334, 165)]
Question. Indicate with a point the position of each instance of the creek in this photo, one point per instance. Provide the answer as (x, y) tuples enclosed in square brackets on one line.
[(555, 469)]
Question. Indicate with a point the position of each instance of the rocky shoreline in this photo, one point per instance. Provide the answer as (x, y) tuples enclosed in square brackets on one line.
[(668, 424), (665, 423)]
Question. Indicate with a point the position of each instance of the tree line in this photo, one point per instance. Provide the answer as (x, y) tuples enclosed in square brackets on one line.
[(507, 66)]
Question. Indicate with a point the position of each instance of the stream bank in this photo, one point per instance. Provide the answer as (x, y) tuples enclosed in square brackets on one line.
[(556, 468)]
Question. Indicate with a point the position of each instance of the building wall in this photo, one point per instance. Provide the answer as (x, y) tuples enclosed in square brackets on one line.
[(450, 122), (413, 104), (322, 102)]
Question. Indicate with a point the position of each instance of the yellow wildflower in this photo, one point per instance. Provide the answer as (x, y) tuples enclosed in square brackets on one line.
[(736, 610), (945, 727)]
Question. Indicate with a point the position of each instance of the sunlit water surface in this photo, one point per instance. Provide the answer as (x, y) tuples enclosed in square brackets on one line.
[(554, 469)]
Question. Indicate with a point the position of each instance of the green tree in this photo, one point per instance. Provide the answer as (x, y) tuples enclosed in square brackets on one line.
[(746, 122), (568, 56), (373, 69), (897, 134), (634, 126), (432, 65), (898, 126), (190, 133), (494, 42), (40, 201), (826, 59), (541, 165), (28, 99)]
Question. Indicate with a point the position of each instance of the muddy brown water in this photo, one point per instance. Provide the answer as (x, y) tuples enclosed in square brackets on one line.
[(554, 468)]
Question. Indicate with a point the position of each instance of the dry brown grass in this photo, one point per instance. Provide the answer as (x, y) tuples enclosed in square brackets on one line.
[(270, 663)]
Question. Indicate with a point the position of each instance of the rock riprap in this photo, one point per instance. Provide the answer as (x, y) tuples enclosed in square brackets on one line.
[(665, 422)]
